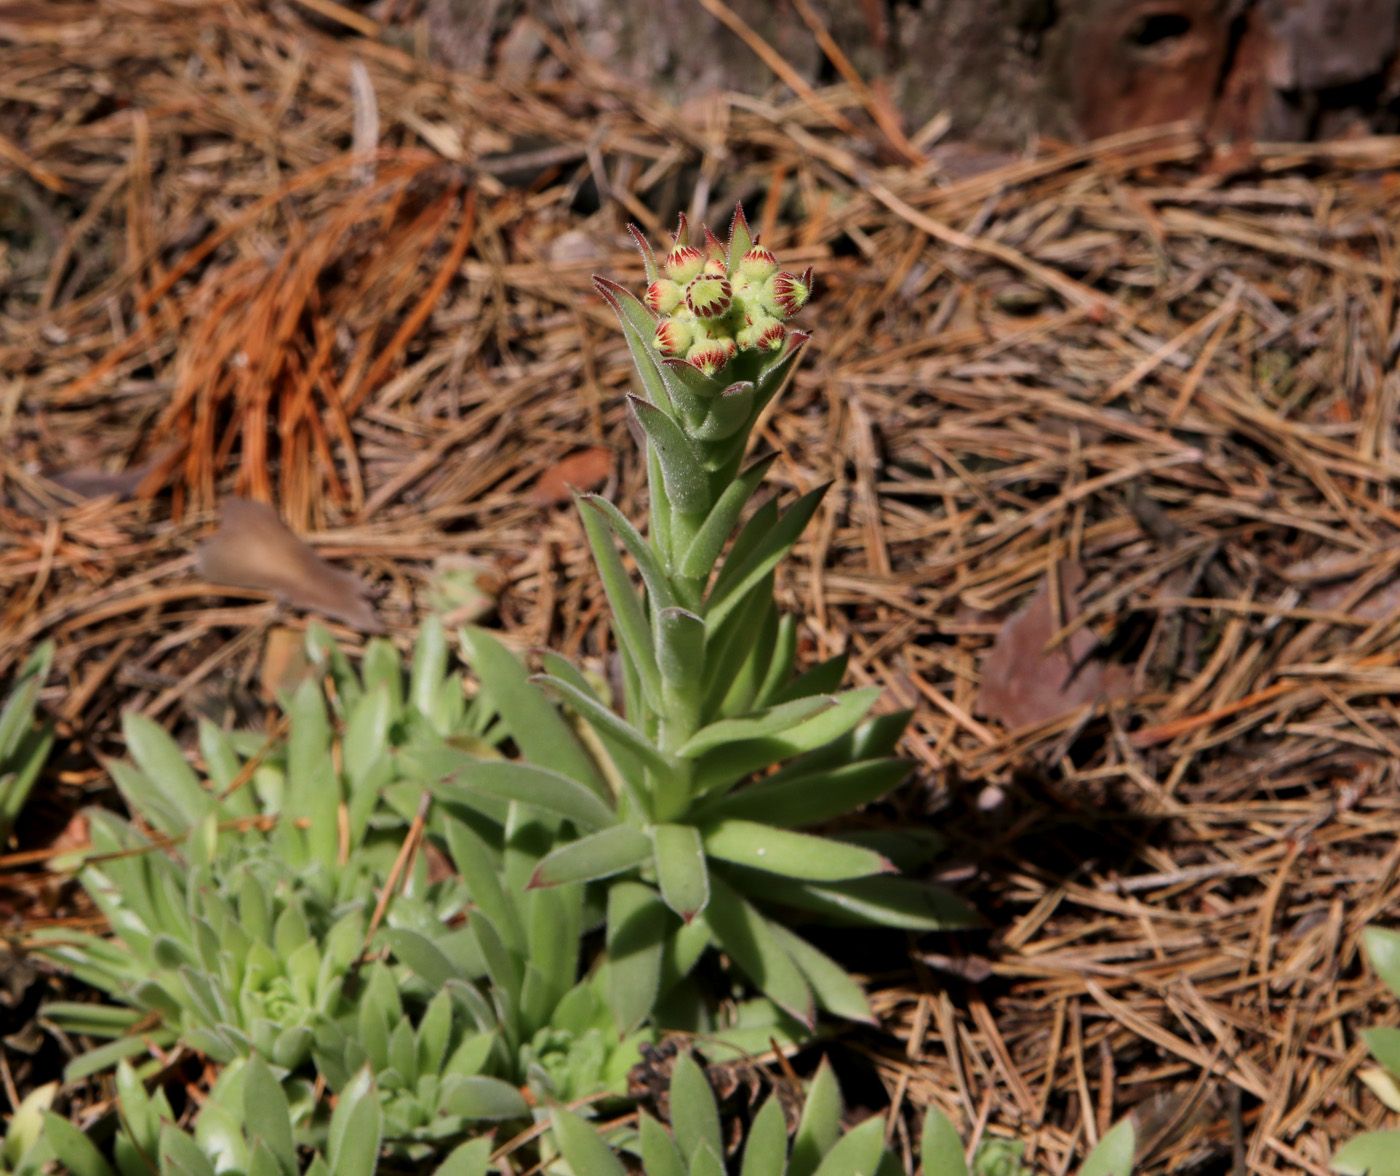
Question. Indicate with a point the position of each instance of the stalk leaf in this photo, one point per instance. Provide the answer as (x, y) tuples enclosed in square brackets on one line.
[(765, 1148), (823, 678), (699, 559), (658, 587), (161, 760), (660, 1155), (599, 855), (820, 1125), (765, 556), (629, 615), (858, 1152), (687, 486), (780, 663), (694, 1116), (606, 721), (762, 725), (638, 328), (586, 1153), (940, 1148), (1115, 1153), (885, 900), (724, 766)]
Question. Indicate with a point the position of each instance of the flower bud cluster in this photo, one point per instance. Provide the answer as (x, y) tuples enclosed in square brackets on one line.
[(711, 305)]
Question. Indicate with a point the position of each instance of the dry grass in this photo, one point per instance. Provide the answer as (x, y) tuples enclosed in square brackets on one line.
[(1173, 367)]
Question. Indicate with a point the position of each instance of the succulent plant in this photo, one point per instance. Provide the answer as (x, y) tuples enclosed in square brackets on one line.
[(23, 747), (1377, 1153), (693, 1144), (246, 1127), (675, 802), (23, 1150)]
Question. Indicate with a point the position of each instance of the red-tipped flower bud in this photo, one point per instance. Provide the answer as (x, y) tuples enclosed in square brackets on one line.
[(684, 262), (663, 296), (709, 296), (762, 334), (784, 294), (758, 263), (673, 337), (709, 355)]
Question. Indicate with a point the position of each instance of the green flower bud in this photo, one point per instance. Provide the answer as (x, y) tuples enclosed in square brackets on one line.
[(758, 264), (784, 294), (663, 296), (762, 333), (709, 355), (684, 262), (709, 296), (673, 336)]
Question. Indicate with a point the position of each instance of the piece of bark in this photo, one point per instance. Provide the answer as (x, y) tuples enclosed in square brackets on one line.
[(585, 470), (254, 549)]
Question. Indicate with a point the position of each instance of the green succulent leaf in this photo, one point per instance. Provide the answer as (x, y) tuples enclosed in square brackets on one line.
[(486, 1098), (660, 1155), (74, 1150), (749, 939), (687, 485), (680, 869), (528, 784), (1374, 1153), (268, 1114), (585, 1152), (794, 855), (1383, 950), (885, 900), (357, 1127), (820, 1124), (1115, 1153), (694, 1116), (606, 722), (731, 588), (638, 327), (163, 764), (941, 1148), (468, 1159), (765, 1148), (1384, 1043), (599, 855), (636, 940), (179, 1155), (539, 730), (858, 1152), (764, 724), (811, 799), (700, 557), (834, 988)]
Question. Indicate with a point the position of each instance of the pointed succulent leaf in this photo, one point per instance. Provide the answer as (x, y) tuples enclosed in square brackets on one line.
[(780, 662), (809, 800), (485, 1098), (940, 1147), (858, 1152), (1384, 1043), (535, 787), (687, 485), (638, 327), (748, 938), (699, 558), (585, 1152), (660, 1155), (648, 257), (680, 649), (724, 766), (1116, 1151), (820, 679), (268, 1114), (599, 855), (629, 615), (472, 857), (680, 869), (694, 1116), (421, 954), (653, 575), (885, 900), (765, 556), (740, 239), (74, 1150), (794, 855), (834, 988), (725, 416), (765, 1146), (541, 732), (607, 721), (636, 940), (356, 1128), (1373, 1153), (1383, 950), (159, 757), (820, 1125), (761, 725)]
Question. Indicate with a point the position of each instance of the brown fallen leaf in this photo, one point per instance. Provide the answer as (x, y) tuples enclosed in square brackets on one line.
[(585, 470), (254, 549), (285, 664), (1022, 684)]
